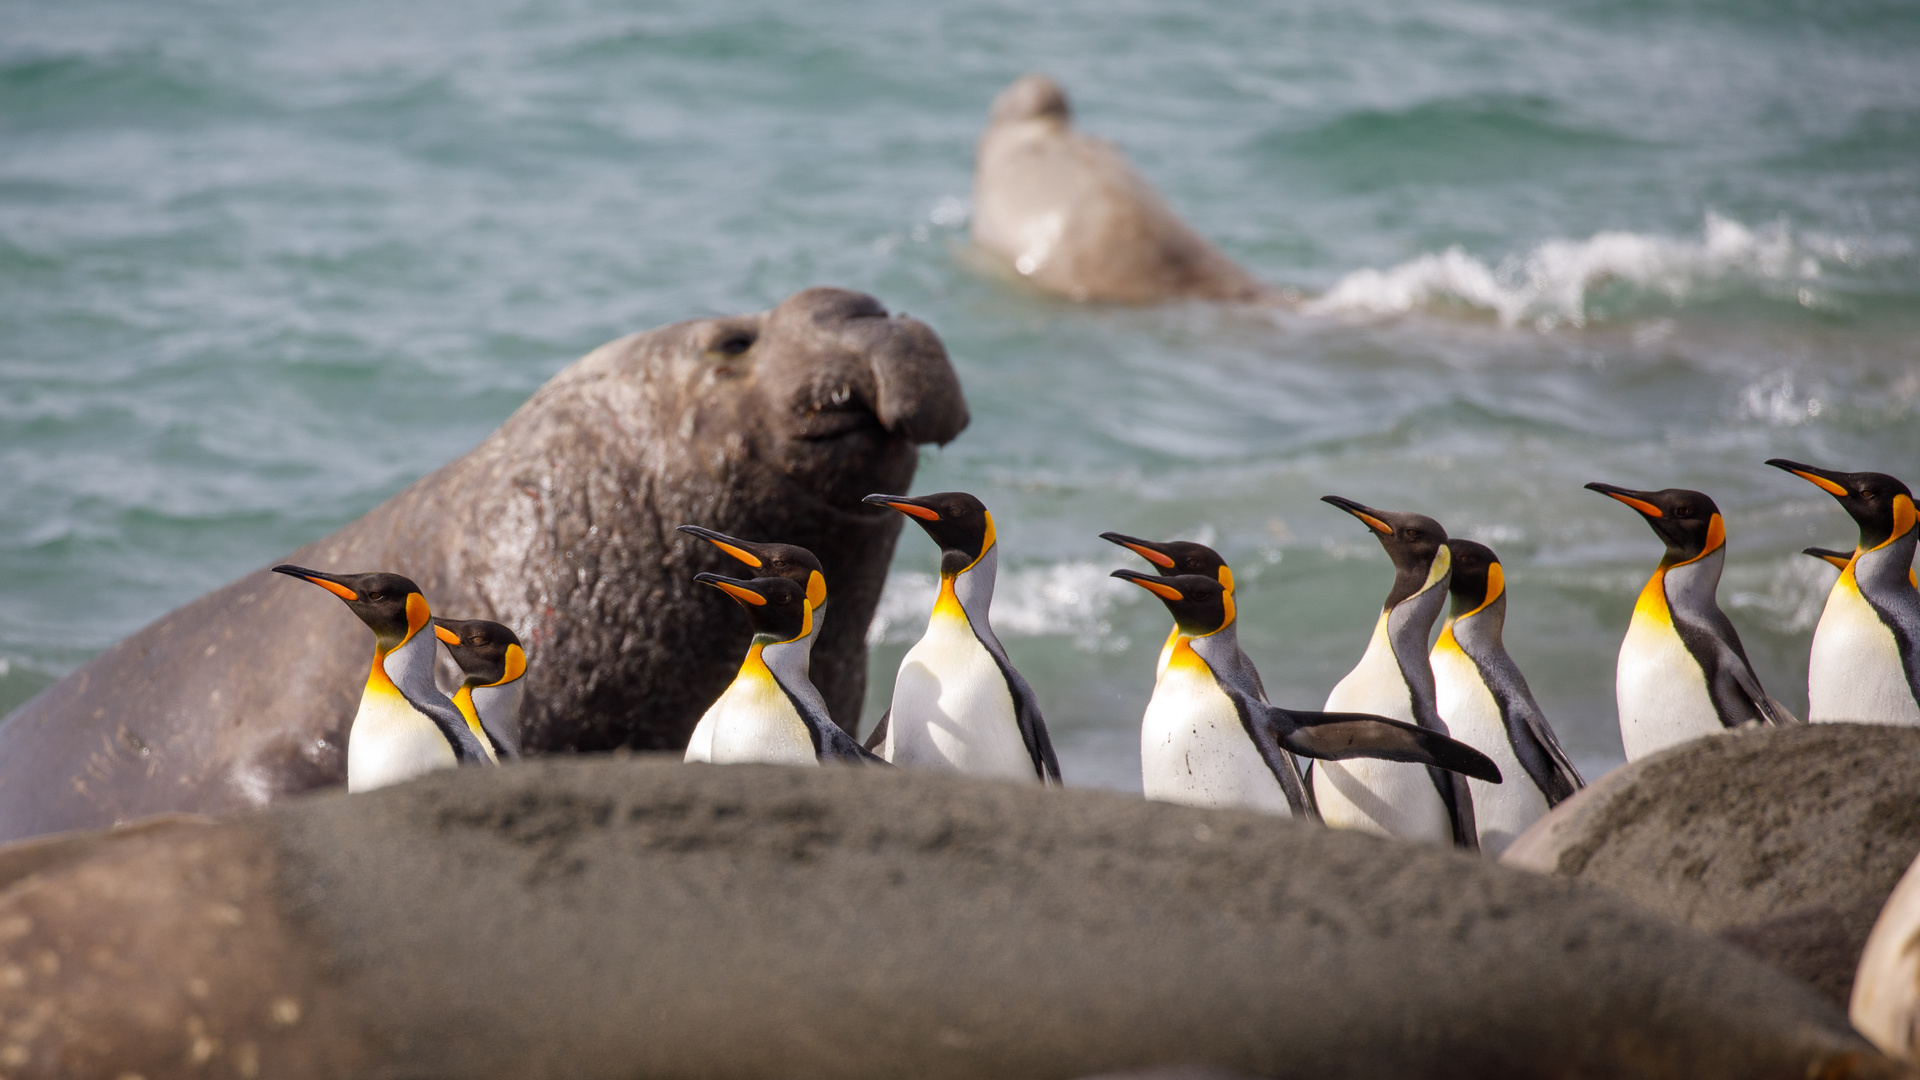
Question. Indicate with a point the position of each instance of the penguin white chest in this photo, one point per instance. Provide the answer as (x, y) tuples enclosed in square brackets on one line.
[(1659, 687), (1194, 749), (952, 708), (1389, 798), (755, 722), (391, 741), (1854, 673), (1501, 811)]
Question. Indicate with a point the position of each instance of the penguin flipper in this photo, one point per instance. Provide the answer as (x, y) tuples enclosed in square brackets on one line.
[(1764, 703), (879, 733), (466, 747), (1336, 736), (1549, 767), (1299, 792), (506, 749), (1026, 711)]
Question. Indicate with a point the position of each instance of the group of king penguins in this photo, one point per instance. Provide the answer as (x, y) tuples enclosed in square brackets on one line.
[(1445, 744)]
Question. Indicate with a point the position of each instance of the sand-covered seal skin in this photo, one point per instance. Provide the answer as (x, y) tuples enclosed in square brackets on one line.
[(605, 918), (560, 525), (1786, 841), (1068, 213)]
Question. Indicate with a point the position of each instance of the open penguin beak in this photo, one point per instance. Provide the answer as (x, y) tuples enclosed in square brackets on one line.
[(329, 582), (1371, 518), (1146, 549), (739, 549)]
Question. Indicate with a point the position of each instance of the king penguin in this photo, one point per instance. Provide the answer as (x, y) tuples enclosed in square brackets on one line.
[(1395, 679), (796, 564), (1183, 557), (405, 725), (958, 704), (1865, 664), (771, 713), (1209, 739), (495, 663), (1486, 704), (1682, 672)]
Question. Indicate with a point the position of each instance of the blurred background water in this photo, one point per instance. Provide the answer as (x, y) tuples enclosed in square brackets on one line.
[(263, 264)]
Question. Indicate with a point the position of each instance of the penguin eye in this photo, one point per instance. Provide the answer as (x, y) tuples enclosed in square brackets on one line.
[(476, 641), (376, 597), (1410, 534)]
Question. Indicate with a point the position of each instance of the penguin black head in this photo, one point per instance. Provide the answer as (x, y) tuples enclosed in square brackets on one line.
[(1177, 557), (490, 654), (955, 520), (1416, 543), (1477, 578), (1200, 605), (391, 605), (776, 607), (1687, 521), (772, 560), (1881, 505), (1836, 559)]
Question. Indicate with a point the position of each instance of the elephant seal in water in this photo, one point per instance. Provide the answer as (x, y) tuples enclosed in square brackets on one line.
[(1785, 841), (616, 918), (560, 525), (1069, 214)]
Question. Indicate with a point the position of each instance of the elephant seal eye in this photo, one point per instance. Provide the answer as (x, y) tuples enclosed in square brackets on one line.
[(732, 344)]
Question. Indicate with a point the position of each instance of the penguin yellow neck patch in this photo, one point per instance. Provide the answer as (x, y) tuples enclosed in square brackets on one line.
[(816, 588), (417, 614)]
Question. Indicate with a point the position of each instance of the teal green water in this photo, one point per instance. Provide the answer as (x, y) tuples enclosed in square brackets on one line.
[(262, 264)]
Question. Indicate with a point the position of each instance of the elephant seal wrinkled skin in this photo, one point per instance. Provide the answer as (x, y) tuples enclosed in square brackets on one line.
[(1069, 214), (617, 918), (560, 525), (1785, 841)]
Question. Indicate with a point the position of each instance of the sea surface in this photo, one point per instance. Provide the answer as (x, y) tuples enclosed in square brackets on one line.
[(262, 264)]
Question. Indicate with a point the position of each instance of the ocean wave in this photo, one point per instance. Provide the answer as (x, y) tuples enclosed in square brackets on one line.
[(1558, 282), (1067, 599)]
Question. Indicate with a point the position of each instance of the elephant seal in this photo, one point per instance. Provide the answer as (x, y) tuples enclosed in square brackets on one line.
[(1069, 214), (609, 917), (560, 525), (1785, 841)]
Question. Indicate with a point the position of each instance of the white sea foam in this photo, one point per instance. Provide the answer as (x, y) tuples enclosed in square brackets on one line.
[(1551, 284), (1060, 599)]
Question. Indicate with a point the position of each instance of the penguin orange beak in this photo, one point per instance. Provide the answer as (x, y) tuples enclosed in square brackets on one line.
[(1158, 586), (1636, 499), (445, 634), (1368, 516), (907, 506), (1146, 549), (329, 582), (1828, 480), (1837, 559), (739, 549), (734, 587)]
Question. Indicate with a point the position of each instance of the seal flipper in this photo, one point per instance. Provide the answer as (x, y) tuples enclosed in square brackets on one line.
[(1335, 736)]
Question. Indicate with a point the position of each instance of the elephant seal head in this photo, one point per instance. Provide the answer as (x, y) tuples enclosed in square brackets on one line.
[(561, 525), (1070, 215)]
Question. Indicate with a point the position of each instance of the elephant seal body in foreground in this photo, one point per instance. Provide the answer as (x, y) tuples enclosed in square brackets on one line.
[(1070, 214), (560, 525), (1785, 841), (619, 918)]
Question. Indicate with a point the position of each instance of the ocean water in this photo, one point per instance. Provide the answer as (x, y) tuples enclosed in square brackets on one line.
[(263, 264)]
